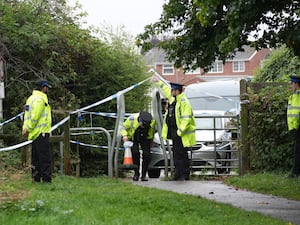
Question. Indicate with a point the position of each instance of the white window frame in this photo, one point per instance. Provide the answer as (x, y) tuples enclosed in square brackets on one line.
[(168, 69), (238, 66), (217, 67)]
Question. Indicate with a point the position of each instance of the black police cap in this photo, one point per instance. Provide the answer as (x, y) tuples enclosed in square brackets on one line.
[(145, 117), (295, 78), (176, 86), (42, 83)]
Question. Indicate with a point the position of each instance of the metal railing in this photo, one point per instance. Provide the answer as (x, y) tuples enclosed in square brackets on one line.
[(221, 154)]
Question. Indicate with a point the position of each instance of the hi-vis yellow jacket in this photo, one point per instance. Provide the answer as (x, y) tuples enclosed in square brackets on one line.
[(132, 123), (184, 117), (37, 116), (293, 111)]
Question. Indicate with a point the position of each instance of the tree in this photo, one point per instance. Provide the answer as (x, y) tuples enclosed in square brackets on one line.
[(204, 30), (280, 64), (44, 39)]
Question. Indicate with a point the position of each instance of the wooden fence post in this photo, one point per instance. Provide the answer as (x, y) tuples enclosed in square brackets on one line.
[(245, 164), (25, 156), (67, 154)]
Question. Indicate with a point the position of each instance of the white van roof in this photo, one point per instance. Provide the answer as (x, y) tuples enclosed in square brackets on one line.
[(213, 88), (215, 95)]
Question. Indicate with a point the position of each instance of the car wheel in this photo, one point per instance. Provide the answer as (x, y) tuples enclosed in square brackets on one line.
[(154, 173), (225, 164), (220, 170)]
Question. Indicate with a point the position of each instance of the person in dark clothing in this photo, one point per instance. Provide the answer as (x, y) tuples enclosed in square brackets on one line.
[(293, 120), (179, 126), (36, 127), (139, 128)]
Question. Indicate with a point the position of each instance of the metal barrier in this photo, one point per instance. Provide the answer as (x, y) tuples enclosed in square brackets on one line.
[(117, 133), (110, 150), (211, 156), (220, 154), (114, 142), (157, 114)]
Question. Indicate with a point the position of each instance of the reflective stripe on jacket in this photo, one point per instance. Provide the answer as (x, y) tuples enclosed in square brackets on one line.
[(293, 111), (184, 117), (131, 124), (37, 116)]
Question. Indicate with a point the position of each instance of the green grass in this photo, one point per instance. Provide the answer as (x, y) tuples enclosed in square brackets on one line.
[(268, 183), (80, 201)]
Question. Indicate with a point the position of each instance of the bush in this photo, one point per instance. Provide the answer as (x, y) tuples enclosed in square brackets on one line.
[(271, 143)]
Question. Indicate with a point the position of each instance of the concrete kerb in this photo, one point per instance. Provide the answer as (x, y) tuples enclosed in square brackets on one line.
[(277, 207)]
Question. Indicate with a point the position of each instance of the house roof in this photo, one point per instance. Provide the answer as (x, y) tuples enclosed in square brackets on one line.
[(158, 55), (247, 54)]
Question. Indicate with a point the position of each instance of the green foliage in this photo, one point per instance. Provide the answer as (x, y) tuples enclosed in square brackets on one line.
[(10, 161), (268, 135), (43, 39), (280, 64), (272, 144), (201, 31)]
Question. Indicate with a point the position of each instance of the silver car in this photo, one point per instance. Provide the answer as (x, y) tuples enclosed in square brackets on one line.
[(215, 150)]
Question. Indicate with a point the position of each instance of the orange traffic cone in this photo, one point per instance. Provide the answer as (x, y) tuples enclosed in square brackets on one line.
[(128, 161)]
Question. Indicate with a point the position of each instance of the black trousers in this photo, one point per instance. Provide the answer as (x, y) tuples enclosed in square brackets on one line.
[(41, 159), (296, 166), (181, 160), (146, 156)]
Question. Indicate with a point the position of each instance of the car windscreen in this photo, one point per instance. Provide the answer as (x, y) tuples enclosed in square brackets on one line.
[(215, 103), (208, 123)]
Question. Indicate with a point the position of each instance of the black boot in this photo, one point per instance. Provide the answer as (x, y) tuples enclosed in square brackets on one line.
[(136, 176), (144, 179)]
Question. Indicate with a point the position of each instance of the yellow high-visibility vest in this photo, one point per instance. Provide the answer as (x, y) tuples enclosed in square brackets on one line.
[(37, 116), (184, 117), (293, 111), (132, 123)]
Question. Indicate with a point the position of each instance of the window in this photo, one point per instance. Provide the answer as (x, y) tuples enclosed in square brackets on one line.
[(209, 123), (217, 67), (238, 66), (168, 69), (196, 71)]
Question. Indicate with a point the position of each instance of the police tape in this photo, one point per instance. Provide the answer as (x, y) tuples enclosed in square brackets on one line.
[(110, 97), (90, 145), (105, 114), (217, 96), (11, 119), (20, 145), (59, 123), (14, 147)]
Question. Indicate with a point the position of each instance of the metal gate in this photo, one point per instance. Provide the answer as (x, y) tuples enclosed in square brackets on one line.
[(217, 151)]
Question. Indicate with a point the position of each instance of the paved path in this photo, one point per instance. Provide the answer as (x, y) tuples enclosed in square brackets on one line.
[(288, 210)]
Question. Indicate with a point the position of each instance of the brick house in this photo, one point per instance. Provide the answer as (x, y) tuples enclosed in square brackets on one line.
[(241, 66)]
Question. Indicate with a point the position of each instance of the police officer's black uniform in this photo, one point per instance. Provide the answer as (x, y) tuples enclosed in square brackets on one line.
[(181, 161)]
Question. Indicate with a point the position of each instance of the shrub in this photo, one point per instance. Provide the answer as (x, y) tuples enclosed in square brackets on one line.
[(271, 143)]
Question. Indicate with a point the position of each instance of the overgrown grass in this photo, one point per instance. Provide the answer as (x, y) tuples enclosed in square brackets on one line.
[(70, 200), (268, 183)]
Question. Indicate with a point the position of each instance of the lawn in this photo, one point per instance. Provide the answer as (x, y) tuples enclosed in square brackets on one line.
[(268, 183), (70, 200)]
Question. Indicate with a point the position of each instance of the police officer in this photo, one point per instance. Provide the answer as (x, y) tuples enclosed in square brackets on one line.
[(36, 127), (179, 125), (139, 128), (293, 121)]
